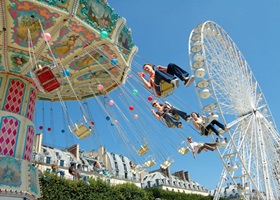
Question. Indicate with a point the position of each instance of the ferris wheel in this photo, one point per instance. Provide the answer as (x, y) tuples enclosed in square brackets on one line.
[(225, 85)]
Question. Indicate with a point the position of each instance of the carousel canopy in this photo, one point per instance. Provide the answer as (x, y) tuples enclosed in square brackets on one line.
[(88, 41)]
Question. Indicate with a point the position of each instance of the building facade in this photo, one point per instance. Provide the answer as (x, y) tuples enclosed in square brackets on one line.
[(110, 167)]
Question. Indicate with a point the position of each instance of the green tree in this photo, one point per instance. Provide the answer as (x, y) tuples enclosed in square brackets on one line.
[(54, 188)]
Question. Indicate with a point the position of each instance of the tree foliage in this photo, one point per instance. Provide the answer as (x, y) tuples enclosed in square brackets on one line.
[(54, 188)]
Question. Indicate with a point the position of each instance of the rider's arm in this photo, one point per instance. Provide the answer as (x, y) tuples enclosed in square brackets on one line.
[(146, 83), (155, 114), (192, 149)]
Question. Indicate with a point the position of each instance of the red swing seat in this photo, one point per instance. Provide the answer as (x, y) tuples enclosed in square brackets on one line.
[(47, 79)]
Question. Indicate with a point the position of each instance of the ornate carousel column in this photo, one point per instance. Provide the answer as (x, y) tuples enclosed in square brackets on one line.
[(18, 178)]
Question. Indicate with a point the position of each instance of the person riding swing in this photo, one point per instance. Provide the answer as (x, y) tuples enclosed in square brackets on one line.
[(169, 113), (160, 73)]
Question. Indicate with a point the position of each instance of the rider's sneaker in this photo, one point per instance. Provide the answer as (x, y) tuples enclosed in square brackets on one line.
[(188, 80), (175, 82)]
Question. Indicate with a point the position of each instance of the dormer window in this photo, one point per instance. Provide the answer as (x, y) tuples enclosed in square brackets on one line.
[(61, 163)]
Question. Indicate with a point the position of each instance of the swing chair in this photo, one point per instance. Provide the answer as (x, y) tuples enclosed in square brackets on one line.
[(80, 129), (167, 163), (212, 116), (170, 124), (183, 148), (136, 169), (142, 149), (149, 161), (166, 89), (45, 75), (47, 79)]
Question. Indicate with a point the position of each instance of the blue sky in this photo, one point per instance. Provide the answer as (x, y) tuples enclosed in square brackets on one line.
[(161, 29)]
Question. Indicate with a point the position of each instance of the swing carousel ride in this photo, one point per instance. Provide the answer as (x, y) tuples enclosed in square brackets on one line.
[(53, 51), (225, 85)]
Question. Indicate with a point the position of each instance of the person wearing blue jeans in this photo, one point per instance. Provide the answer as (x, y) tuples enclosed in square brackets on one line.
[(168, 74), (170, 114), (200, 123)]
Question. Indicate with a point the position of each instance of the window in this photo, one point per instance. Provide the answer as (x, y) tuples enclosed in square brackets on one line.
[(149, 184), (125, 168), (61, 163), (48, 160), (125, 175), (116, 166), (157, 182)]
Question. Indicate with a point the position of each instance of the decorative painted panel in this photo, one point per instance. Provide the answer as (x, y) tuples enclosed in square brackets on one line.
[(113, 71), (8, 135), (18, 59), (33, 180), (31, 104), (10, 172), (98, 14), (14, 96), (85, 61), (125, 42), (26, 16), (68, 43), (62, 4), (28, 143)]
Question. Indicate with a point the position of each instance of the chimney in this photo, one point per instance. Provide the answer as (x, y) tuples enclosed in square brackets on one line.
[(165, 171), (180, 175), (75, 151), (187, 178)]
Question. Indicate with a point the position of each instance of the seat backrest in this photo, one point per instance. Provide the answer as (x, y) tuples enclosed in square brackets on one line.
[(183, 150), (47, 79), (143, 149), (166, 88), (82, 131)]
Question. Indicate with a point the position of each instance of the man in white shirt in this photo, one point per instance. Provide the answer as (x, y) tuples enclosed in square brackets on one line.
[(81, 175), (198, 147)]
